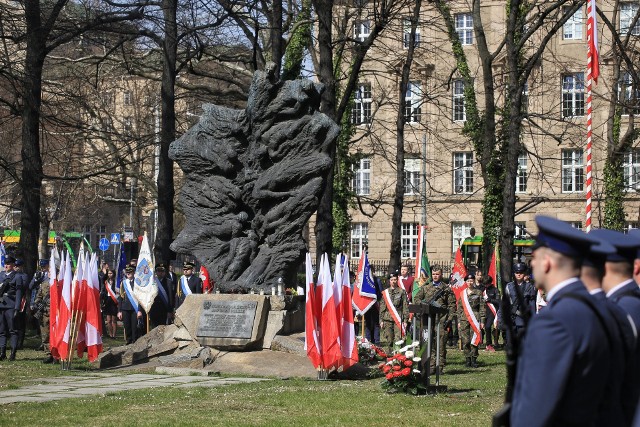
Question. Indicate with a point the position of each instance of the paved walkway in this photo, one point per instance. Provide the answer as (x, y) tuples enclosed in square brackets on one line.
[(66, 387)]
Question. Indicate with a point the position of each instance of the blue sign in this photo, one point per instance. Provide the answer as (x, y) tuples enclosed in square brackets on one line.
[(115, 238), (104, 244)]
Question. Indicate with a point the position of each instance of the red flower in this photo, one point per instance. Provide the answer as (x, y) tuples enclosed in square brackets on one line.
[(401, 357), (389, 377), (397, 367), (380, 366), (408, 363), (389, 359), (386, 369), (397, 374), (406, 371)]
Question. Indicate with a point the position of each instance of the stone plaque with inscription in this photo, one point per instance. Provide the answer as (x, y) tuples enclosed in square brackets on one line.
[(227, 319)]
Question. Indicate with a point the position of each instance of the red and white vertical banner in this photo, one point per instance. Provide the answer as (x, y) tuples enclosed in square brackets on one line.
[(593, 71)]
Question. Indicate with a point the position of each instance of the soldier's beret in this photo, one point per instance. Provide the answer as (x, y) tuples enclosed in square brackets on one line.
[(129, 269), (626, 246)]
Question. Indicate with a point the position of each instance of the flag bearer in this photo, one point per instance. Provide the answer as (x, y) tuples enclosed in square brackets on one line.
[(394, 313), (471, 318)]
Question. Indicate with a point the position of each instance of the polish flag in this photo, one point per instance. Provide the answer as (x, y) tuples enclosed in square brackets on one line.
[(347, 334), (458, 283), (311, 341), (329, 330), (206, 284), (54, 297), (80, 300), (93, 323), (63, 325)]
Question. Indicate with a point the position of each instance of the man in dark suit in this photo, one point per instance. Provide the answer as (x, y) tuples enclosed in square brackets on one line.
[(162, 308), (128, 310), (189, 283), (11, 291), (565, 362)]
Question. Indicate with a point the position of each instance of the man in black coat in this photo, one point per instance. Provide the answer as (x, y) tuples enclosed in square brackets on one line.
[(162, 309), (11, 291), (128, 310), (189, 283)]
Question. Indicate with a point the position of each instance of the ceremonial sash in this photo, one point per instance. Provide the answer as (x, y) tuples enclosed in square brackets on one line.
[(392, 309), (129, 291), (471, 318), (185, 286), (162, 293), (493, 309), (110, 292), (540, 302)]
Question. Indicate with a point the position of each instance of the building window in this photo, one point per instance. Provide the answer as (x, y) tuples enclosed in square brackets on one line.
[(572, 171), (413, 103), (359, 234), (464, 28), (459, 232), (631, 165), (406, 33), (520, 230), (128, 97), (573, 95), (576, 224), (459, 110), (409, 240), (572, 29), (362, 30), (361, 184), (361, 113), (101, 233), (628, 12), (628, 95), (523, 174), (463, 172), (411, 176), (127, 125)]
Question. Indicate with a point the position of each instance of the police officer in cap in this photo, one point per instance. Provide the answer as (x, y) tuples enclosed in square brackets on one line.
[(21, 318), (563, 368), (189, 283), (10, 299), (161, 311), (522, 295)]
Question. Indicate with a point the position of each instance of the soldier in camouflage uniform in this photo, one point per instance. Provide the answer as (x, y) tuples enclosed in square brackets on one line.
[(445, 298), (478, 306), (389, 330), (41, 305)]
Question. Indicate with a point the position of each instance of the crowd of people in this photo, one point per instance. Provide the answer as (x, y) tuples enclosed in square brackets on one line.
[(25, 302)]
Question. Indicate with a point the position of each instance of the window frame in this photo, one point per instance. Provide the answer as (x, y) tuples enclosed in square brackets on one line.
[(573, 95), (631, 162), (626, 16), (463, 172), (459, 106), (359, 237), (573, 168), (361, 181), (406, 33), (575, 25), (362, 105), (409, 240), (522, 174), (412, 176), (361, 30), (457, 239), (463, 23), (413, 102)]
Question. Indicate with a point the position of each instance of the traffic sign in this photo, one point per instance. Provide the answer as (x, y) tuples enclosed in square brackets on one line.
[(104, 244), (115, 238)]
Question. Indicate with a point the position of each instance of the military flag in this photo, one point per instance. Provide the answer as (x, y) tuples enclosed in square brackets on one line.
[(458, 283), (364, 290), (206, 280), (423, 268), (146, 288)]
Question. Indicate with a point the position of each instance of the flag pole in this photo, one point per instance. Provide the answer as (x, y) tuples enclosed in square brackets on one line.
[(592, 74)]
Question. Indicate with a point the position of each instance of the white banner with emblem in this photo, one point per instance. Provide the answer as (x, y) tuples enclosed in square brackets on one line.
[(146, 288)]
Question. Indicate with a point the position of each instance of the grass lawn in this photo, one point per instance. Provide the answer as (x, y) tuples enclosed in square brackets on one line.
[(473, 396)]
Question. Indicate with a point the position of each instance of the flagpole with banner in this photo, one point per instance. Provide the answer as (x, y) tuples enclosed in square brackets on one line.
[(146, 288), (593, 71)]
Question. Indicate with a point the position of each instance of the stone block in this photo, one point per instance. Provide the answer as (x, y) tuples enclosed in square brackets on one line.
[(275, 322)]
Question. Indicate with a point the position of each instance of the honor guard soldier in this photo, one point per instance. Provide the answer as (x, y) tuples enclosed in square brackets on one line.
[(394, 313), (522, 295), (439, 292), (189, 283), (471, 318), (11, 291), (128, 310), (622, 290), (161, 311), (564, 365)]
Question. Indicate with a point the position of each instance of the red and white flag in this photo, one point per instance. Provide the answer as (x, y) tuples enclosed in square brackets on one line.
[(311, 341), (329, 328), (471, 318), (63, 324), (93, 323), (348, 344), (458, 284), (79, 306), (53, 304), (206, 283), (364, 290), (592, 37)]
